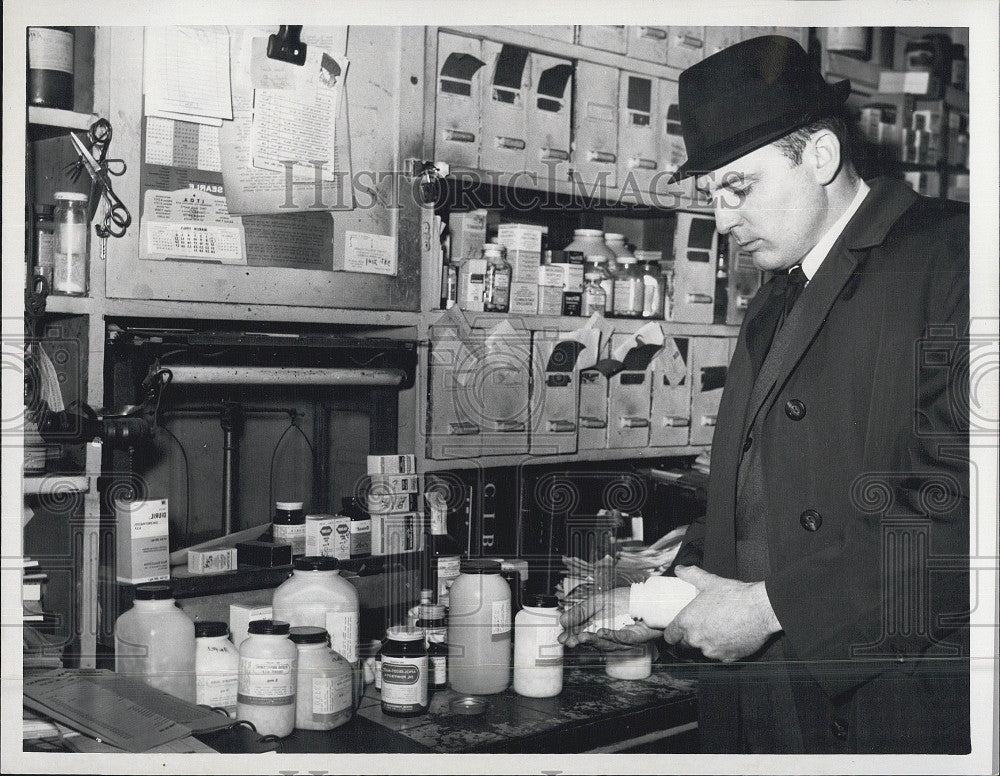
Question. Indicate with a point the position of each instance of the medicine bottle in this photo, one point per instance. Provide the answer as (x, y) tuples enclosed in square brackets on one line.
[(324, 681), (479, 628), (50, 67), (630, 664), (413, 613), (217, 666), (317, 595), (538, 655), (432, 622), (289, 526), (71, 258), (496, 282), (654, 287), (404, 672), (45, 243), (595, 299), (629, 289), (268, 661), (606, 268), (154, 641), (587, 242)]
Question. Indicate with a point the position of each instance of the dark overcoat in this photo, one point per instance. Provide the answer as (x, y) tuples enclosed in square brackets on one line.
[(857, 426)]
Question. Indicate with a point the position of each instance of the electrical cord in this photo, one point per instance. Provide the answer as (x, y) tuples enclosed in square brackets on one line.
[(274, 453)]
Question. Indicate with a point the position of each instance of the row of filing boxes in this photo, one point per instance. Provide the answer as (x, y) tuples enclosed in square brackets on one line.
[(548, 393), (507, 109)]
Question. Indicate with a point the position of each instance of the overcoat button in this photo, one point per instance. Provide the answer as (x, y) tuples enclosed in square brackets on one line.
[(839, 729), (747, 443), (811, 520), (795, 409)]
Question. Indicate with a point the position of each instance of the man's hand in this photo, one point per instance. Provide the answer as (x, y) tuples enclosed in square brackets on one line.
[(608, 607), (727, 620)]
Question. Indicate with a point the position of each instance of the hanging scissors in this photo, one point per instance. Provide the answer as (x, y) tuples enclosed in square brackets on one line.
[(116, 218)]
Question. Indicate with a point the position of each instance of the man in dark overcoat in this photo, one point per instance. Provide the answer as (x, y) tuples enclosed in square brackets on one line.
[(831, 565)]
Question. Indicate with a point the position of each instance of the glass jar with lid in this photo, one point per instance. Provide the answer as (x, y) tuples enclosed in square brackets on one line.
[(496, 282), (587, 242), (595, 299), (606, 267), (654, 284), (71, 258), (629, 289)]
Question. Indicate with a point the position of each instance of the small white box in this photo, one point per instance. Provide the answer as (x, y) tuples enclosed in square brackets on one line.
[(571, 276), (550, 299), (392, 464), (142, 541), (524, 298), (392, 503), (395, 483), (329, 536), (212, 561), (397, 533), (240, 617), (550, 275), (468, 234), (521, 237), (524, 265)]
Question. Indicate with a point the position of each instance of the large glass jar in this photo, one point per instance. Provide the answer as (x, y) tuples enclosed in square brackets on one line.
[(629, 289), (496, 282), (479, 630), (71, 257)]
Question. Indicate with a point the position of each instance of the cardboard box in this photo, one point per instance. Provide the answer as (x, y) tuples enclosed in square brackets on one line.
[(468, 234), (264, 554), (392, 503), (521, 237), (523, 298), (142, 541), (392, 534), (391, 464), (329, 536), (212, 561), (524, 265), (394, 483), (240, 617), (550, 299), (919, 82)]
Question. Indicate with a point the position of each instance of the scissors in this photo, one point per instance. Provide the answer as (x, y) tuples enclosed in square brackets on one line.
[(116, 218)]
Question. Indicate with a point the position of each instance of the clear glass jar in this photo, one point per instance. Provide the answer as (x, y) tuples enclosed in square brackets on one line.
[(496, 283), (606, 267), (217, 665), (268, 662), (595, 298), (71, 270), (654, 287), (629, 289), (324, 681)]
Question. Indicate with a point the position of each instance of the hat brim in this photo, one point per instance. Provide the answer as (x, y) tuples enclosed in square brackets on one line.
[(837, 94)]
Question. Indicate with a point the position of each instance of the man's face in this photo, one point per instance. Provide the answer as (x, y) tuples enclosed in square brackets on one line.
[(774, 209)]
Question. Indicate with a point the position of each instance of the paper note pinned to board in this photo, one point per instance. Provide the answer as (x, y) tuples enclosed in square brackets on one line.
[(186, 73), (372, 253)]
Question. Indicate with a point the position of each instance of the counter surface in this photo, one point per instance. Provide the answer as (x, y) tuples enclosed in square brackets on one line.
[(593, 711)]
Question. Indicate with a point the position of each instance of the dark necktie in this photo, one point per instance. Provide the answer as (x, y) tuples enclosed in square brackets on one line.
[(785, 290)]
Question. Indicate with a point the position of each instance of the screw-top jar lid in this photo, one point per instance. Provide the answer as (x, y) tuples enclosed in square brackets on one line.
[(431, 611), (288, 506), (648, 255), (210, 629), (154, 592), (480, 566), (316, 563), (541, 600), (268, 627), (73, 196), (593, 275), (308, 634), (403, 633), (597, 258), (626, 259), (494, 249), (588, 233), (614, 237)]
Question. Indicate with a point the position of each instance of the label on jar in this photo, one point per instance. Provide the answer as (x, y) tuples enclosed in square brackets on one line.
[(50, 49), (439, 670), (331, 695), (343, 630), (45, 242), (594, 300), (448, 568), (217, 690), (404, 683), (628, 296), (267, 681), (500, 624), (294, 535)]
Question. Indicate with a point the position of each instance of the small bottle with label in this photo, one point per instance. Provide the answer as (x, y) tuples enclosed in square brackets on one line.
[(404, 673), (268, 662), (71, 258), (629, 289), (595, 299), (496, 283), (432, 622), (217, 666), (324, 684), (653, 289), (413, 614), (45, 243), (289, 526)]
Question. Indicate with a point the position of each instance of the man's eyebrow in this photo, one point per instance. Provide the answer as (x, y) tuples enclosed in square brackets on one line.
[(737, 178)]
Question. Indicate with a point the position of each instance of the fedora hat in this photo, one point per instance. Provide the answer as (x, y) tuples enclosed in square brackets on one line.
[(748, 95)]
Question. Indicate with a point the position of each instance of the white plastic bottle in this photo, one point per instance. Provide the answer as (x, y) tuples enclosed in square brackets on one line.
[(267, 679), (217, 665), (538, 655), (154, 641), (479, 628), (324, 683)]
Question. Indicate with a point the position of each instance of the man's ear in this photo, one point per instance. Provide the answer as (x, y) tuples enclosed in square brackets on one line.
[(823, 153)]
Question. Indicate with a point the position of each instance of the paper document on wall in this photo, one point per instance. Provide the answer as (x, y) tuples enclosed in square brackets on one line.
[(289, 122), (186, 73)]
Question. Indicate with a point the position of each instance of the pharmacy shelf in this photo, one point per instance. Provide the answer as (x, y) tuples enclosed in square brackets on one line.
[(569, 323), (428, 465), (56, 484)]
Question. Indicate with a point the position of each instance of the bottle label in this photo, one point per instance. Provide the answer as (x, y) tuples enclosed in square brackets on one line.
[(267, 681), (50, 49), (439, 670), (628, 296), (331, 695), (45, 243), (343, 630), (594, 301), (404, 683), (294, 535), (218, 689), (550, 651), (448, 569), (501, 620)]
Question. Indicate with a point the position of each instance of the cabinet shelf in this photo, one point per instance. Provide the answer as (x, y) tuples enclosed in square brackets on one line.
[(568, 323), (527, 459), (49, 122), (55, 484)]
